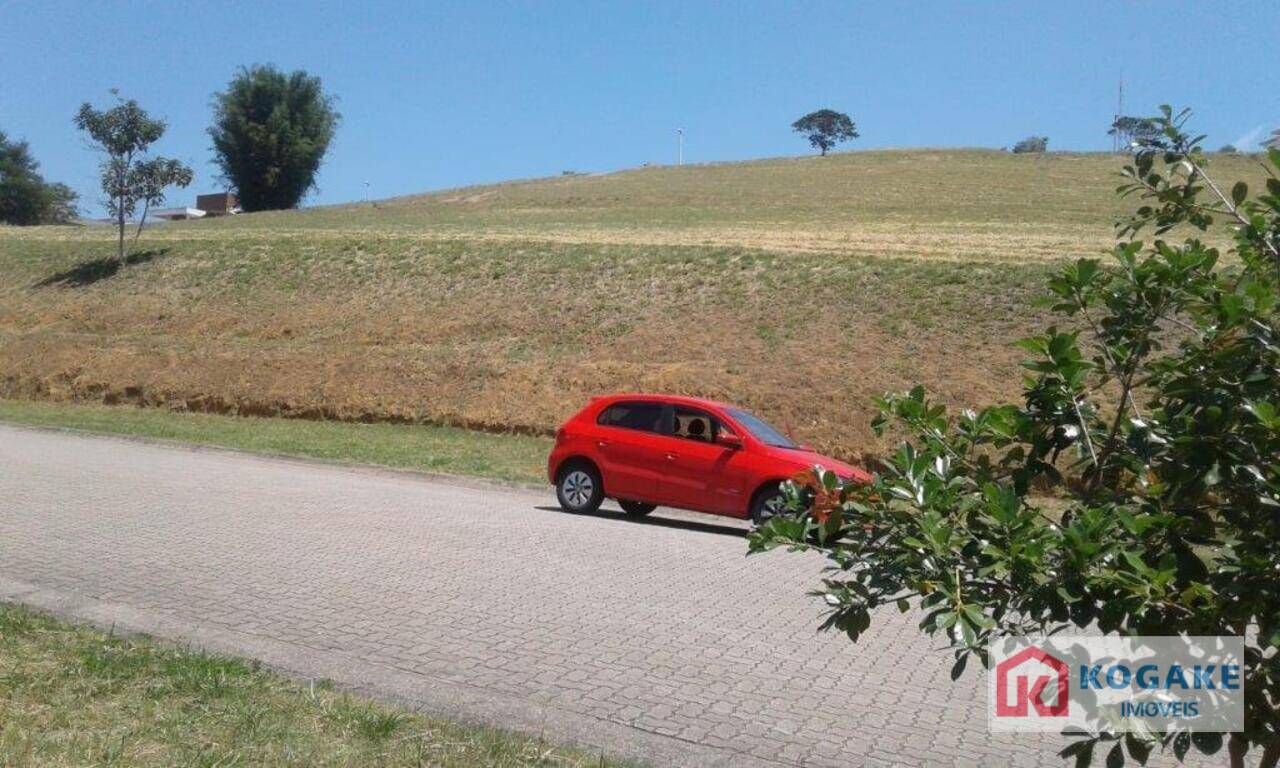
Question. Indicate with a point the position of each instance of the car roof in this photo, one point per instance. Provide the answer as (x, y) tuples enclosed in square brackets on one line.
[(660, 398)]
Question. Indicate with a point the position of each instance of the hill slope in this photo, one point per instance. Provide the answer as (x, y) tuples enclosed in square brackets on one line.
[(799, 287)]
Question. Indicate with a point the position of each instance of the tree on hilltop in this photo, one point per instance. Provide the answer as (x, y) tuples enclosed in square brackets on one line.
[(1128, 131), (1031, 145), (270, 133), (826, 128)]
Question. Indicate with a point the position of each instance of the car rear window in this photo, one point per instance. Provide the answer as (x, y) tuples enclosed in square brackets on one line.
[(632, 415)]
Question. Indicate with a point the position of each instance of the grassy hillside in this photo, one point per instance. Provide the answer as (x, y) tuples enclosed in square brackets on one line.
[(799, 287)]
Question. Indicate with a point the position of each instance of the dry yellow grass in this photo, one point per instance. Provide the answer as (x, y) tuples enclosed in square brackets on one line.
[(800, 288)]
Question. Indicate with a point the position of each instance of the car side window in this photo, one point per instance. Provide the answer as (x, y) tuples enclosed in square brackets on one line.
[(641, 416), (692, 424)]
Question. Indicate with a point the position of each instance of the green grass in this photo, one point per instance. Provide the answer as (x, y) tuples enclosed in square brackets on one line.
[(436, 449), (75, 696)]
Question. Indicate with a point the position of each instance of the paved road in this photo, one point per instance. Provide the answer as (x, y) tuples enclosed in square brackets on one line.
[(656, 640)]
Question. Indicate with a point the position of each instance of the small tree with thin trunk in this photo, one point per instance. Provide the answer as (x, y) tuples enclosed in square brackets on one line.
[(826, 128), (125, 133)]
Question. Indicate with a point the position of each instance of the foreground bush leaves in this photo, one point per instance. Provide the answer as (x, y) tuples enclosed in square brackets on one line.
[(1135, 490)]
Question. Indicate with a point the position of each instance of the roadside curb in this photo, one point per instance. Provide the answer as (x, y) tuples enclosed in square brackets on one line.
[(465, 481)]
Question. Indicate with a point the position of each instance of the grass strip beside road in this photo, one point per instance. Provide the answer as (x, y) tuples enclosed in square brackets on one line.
[(72, 696), (450, 450)]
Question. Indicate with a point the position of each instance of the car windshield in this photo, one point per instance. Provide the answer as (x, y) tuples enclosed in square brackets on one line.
[(761, 430)]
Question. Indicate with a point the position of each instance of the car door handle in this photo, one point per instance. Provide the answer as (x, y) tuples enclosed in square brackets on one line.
[(672, 456), (602, 443)]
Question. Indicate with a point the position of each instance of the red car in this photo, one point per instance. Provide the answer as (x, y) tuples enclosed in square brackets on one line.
[(647, 451)]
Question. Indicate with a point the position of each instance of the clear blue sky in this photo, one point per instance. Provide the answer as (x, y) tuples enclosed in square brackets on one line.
[(437, 95)]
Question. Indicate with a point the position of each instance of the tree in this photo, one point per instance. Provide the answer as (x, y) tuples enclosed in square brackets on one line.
[(62, 204), (270, 134), (22, 193), (125, 133), (1130, 130), (25, 197), (1031, 144), (1274, 141), (825, 128), (1160, 434), (1228, 149)]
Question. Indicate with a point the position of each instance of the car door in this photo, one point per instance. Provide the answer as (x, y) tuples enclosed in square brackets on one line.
[(699, 473), (630, 450)]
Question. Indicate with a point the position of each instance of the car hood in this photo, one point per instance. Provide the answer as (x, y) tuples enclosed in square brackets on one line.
[(801, 459)]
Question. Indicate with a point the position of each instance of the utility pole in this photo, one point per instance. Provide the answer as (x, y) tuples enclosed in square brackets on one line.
[(366, 191), (1115, 137), (679, 146)]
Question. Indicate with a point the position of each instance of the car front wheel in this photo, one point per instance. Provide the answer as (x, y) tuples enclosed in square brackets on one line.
[(579, 489), (768, 502)]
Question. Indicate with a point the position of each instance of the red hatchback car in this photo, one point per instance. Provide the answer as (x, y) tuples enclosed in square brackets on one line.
[(647, 451)]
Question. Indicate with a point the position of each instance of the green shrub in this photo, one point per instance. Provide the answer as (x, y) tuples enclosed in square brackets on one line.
[(1154, 411), (1032, 145)]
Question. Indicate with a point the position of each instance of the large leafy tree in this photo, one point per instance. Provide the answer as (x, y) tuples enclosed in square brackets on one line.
[(270, 133), (1128, 130), (25, 197), (1152, 414), (124, 134), (825, 128)]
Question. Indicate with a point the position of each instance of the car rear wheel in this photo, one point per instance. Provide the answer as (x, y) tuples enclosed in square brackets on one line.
[(636, 508), (579, 489), (768, 503)]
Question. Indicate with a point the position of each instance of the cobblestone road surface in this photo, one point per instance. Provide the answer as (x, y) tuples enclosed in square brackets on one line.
[(656, 640)]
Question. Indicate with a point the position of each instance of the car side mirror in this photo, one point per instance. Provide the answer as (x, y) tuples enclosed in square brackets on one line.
[(728, 440)]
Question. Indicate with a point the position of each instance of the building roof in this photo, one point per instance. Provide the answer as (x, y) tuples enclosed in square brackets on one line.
[(178, 213)]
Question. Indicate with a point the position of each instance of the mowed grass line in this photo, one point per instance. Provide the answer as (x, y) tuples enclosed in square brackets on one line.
[(73, 696), (519, 458)]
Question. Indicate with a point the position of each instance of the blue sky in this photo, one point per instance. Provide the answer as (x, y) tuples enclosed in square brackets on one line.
[(437, 95)]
